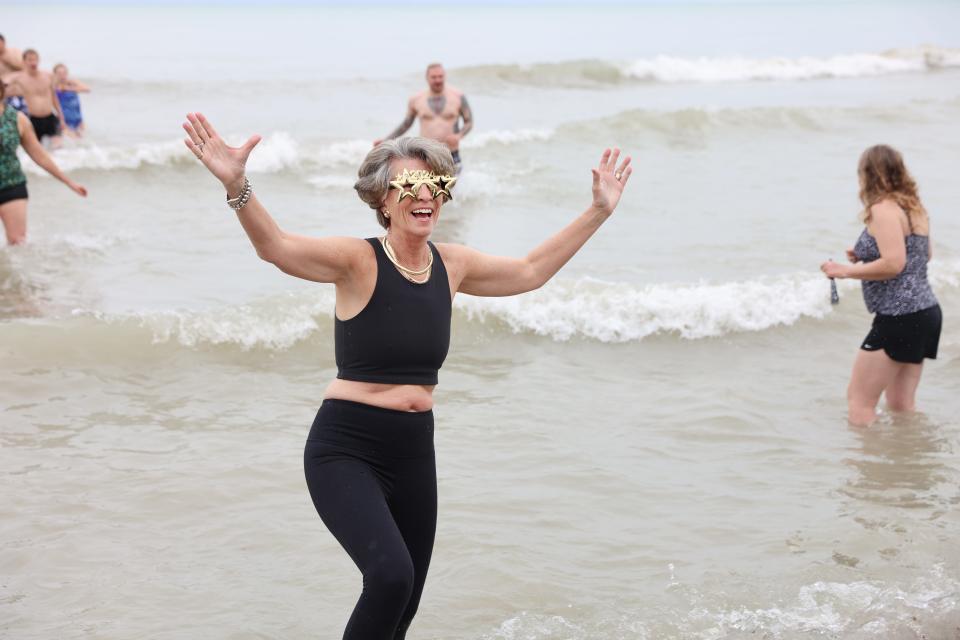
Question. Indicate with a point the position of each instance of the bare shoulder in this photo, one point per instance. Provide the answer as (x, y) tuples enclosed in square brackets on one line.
[(885, 211), (453, 253), (351, 249), (456, 260), (353, 255), (887, 206), (887, 219)]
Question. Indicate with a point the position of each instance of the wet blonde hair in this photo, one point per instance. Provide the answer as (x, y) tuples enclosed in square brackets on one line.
[(373, 178), (883, 175)]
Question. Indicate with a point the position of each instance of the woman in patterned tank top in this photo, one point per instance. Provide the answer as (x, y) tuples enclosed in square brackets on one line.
[(890, 258), (16, 130)]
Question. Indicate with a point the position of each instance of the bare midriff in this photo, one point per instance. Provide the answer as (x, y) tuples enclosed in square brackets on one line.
[(436, 127), (402, 397)]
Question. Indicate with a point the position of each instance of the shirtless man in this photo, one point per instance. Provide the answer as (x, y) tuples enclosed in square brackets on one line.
[(10, 59), (36, 87), (440, 109)]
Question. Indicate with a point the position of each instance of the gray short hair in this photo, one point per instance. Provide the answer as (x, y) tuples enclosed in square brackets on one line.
[(373, 178)]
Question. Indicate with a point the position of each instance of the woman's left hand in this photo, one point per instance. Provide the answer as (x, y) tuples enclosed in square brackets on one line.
[(609, 180), (835, 269)]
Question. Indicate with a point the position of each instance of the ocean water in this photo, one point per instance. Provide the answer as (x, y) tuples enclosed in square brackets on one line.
[(653, 446)]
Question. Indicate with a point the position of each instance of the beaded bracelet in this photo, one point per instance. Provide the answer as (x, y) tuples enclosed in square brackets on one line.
[(241, 200)]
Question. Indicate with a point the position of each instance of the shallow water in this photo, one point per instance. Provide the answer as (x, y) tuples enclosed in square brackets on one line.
[(652, 446)]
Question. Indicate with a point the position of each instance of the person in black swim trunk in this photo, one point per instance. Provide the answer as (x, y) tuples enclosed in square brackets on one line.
[(440, 109), (369, 457), (37, 89), (890, 257), (15, 131)]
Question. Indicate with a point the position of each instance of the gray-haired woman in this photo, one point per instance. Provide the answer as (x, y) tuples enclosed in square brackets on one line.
[(369, 458)]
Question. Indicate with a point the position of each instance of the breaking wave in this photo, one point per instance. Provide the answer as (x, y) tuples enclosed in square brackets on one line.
[(673, 69), (565, 309)]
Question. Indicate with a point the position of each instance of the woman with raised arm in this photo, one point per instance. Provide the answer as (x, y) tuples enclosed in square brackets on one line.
[(890, 257), (369, 458), (16, 131)]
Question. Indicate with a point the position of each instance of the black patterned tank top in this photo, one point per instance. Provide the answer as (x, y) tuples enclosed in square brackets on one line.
[(10, 172), (907, 292)]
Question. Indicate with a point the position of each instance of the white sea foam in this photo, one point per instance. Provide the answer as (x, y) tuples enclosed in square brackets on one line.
[(564, 309), (734, 69), (505, 137), (612, 312), (276, 152), (863, 609), (275, 323), (345, 153), (671, 69), (111, 157)]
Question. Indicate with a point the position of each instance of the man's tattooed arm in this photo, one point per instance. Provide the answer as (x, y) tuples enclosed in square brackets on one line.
[(406, 124), (467, 114)]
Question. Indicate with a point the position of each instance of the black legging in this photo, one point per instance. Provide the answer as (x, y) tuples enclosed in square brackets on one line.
[(373, 479)]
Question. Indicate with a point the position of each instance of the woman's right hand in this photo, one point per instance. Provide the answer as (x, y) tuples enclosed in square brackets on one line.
[(226, 163), (78, 189), (851, 256)]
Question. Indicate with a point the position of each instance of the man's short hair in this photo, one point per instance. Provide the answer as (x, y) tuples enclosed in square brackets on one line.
[(432, 65), (2, 39), (29, 51)]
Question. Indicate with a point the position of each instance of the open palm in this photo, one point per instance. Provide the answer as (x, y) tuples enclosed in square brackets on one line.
[(609, 180), (227, 163)]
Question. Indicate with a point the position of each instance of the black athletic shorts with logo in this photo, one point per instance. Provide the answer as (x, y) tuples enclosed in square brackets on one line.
[(907, 338)]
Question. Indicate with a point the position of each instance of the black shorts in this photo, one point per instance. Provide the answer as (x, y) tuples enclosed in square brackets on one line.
[(457, 162), (16, 192), (907, 338), (48, 126)]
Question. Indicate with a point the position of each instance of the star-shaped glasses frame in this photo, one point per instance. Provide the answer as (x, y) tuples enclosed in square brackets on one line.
[(409, 183)]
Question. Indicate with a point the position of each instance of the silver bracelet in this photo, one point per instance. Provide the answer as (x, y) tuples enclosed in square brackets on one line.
[(241, 200)]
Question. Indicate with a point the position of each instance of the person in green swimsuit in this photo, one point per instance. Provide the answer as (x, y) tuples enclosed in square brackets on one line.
[(16, 130)]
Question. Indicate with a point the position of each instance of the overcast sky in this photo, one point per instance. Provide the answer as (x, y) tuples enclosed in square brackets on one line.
[(447, 3)]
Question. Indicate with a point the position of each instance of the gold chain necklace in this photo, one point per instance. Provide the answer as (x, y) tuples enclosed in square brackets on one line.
[(405, 271)]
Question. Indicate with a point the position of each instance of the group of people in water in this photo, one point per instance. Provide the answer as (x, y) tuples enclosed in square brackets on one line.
[(369, 458), (37, 107), (49, 98)]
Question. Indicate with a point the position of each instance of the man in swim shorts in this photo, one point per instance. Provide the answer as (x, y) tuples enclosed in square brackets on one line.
[(440, 109), (36, 87)]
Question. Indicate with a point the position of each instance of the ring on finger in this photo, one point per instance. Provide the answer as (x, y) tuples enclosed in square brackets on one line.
[(618, 175)]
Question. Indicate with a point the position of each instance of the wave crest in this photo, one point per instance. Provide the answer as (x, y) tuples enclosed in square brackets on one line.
[(708, 69), (565, 309), (275, 153)]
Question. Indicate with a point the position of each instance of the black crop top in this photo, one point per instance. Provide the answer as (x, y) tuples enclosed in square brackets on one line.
[(403, 334)]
